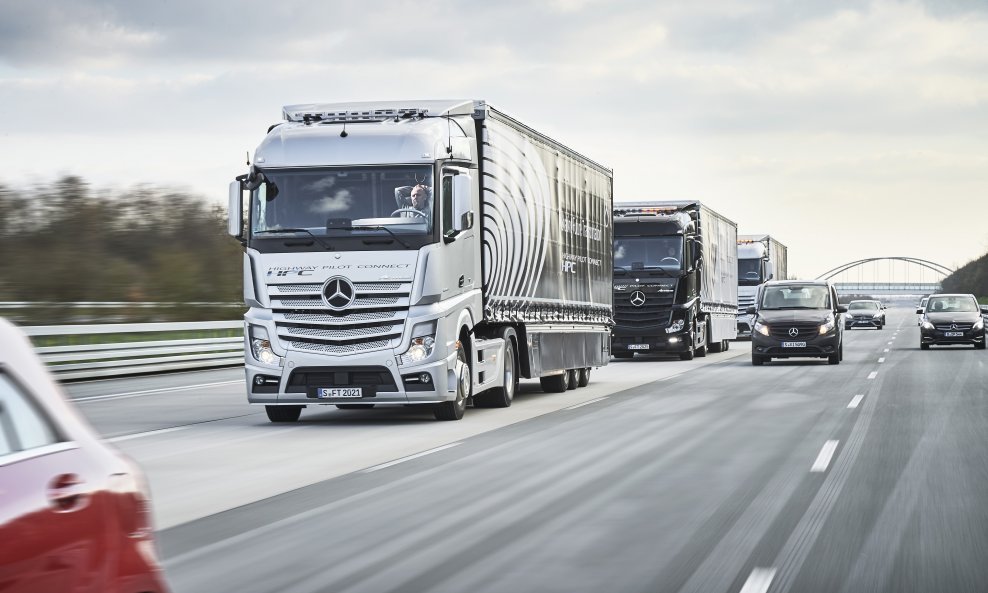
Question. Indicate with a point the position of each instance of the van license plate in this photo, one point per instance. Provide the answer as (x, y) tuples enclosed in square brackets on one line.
[(953, 334), (794, 344), (335, 392), (637, 346)]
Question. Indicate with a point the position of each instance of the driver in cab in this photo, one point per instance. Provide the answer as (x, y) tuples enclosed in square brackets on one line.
[(417, 205)]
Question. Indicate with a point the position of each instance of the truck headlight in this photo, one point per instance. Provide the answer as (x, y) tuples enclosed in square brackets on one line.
[(676, 326), (828, 326), (260, 346), (423, 343), (761, 328)]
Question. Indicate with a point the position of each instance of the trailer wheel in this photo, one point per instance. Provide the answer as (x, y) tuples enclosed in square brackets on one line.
[(464, 384), (584, 378), (571, 379), (555, 383), (283, 413)]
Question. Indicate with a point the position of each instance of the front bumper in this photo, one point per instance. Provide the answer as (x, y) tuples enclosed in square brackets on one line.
[(815, 346), (625, 340), (378, 374), (939, 337)]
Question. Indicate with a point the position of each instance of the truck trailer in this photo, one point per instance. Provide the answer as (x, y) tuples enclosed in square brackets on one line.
[(760, 258), (419, 253), (675, 279)]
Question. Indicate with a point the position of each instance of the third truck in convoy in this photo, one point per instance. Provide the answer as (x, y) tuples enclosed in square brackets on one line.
[(675, 279), (760, 258), (422, 253)]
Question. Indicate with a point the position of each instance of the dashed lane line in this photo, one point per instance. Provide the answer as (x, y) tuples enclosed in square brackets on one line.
[(823, 459), (856, 400), (410, 457), (759, 580), (129, 394)]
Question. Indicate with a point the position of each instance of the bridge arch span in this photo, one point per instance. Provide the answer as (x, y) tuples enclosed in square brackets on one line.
[(935, 267)]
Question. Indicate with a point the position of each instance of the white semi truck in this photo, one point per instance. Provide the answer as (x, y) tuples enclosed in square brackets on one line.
[(760, 258), (421, 253)]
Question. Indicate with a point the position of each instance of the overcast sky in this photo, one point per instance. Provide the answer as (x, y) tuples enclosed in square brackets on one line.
[(847, 129)]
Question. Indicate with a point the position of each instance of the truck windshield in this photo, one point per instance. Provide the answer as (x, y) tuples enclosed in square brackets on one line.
[(644, 253), (812, 296), (392, 201), (749, 272)]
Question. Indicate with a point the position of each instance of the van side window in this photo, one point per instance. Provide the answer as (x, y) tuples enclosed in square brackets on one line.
[(22, 425), (447, 197)]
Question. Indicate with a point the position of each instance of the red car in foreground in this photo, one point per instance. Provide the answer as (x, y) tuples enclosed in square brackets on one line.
[(75, 513)]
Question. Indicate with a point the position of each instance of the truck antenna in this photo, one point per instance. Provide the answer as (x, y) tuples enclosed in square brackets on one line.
[(343, 134), (248, 158)]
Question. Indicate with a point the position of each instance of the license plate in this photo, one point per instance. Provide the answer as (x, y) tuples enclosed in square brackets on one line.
[(953, 334), (794, 344), (637, 346), (336, 392)]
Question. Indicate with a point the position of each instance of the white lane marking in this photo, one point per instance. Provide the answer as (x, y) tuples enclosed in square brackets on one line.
[(587, 403), (881, 360), (129, 394), (823, 459), (872, 374), (149, 433), (886, 350), (890, 343), (759, 580), (410, 457), (856, 400)]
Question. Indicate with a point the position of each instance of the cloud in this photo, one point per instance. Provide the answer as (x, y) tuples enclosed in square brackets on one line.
[(338, 202)]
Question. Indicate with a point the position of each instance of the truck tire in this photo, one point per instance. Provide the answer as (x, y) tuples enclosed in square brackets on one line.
[(501, 397), (584, 378), (555, 383), (454, 410), (571, 379), (283, 413)]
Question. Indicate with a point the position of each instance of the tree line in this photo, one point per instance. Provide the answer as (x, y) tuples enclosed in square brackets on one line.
[(66, 242), (972, 278)]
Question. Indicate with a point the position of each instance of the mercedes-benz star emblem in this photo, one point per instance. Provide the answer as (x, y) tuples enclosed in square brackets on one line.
[(953, 326), (338, 293), (638, 298), (793, 332)]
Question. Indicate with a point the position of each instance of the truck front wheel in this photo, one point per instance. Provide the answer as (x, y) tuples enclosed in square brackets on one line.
[(464, 384), (283, 413)]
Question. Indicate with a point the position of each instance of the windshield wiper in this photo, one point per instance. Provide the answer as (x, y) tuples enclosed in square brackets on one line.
[(306, 231), (382, 228)]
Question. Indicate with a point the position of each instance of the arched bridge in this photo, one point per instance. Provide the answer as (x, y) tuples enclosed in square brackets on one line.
[(930, 275)]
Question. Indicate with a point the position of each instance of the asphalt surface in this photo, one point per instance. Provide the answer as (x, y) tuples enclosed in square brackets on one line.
[(662, 475)]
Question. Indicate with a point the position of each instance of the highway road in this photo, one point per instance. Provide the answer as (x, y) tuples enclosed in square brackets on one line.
[(662, 475)]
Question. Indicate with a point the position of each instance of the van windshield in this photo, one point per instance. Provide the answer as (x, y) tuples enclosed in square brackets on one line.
[(812, 296)]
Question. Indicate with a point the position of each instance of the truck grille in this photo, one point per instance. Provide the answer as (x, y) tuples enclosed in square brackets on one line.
[(745, 301), (374, 320), (655, 311)]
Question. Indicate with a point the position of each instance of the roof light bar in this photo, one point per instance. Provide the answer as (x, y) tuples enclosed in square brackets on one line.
[(353, 116)]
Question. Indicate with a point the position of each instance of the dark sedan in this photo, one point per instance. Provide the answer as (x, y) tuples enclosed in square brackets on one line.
[(864, 314), (952, 319)]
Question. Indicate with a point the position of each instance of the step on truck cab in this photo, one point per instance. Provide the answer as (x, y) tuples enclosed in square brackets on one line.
[(675, 279), (422, 253), (760, 258)]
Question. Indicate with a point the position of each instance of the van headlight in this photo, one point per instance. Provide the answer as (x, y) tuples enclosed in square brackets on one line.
[(260, 346), (676, 326), (761, 328), (828, 326), (423, 343)]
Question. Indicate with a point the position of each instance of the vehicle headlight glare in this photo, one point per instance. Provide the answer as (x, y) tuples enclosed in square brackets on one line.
[(761, 328), (979, 324), (827, 327), (263, 352), (927, 325), (676, 326)]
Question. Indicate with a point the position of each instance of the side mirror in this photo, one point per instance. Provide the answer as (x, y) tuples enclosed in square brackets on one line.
[(751, 310), (842, 308), (235, 216), (919, 311), (462, 214)]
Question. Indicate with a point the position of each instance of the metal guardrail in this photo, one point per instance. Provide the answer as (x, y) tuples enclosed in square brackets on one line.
[(114, 359)]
